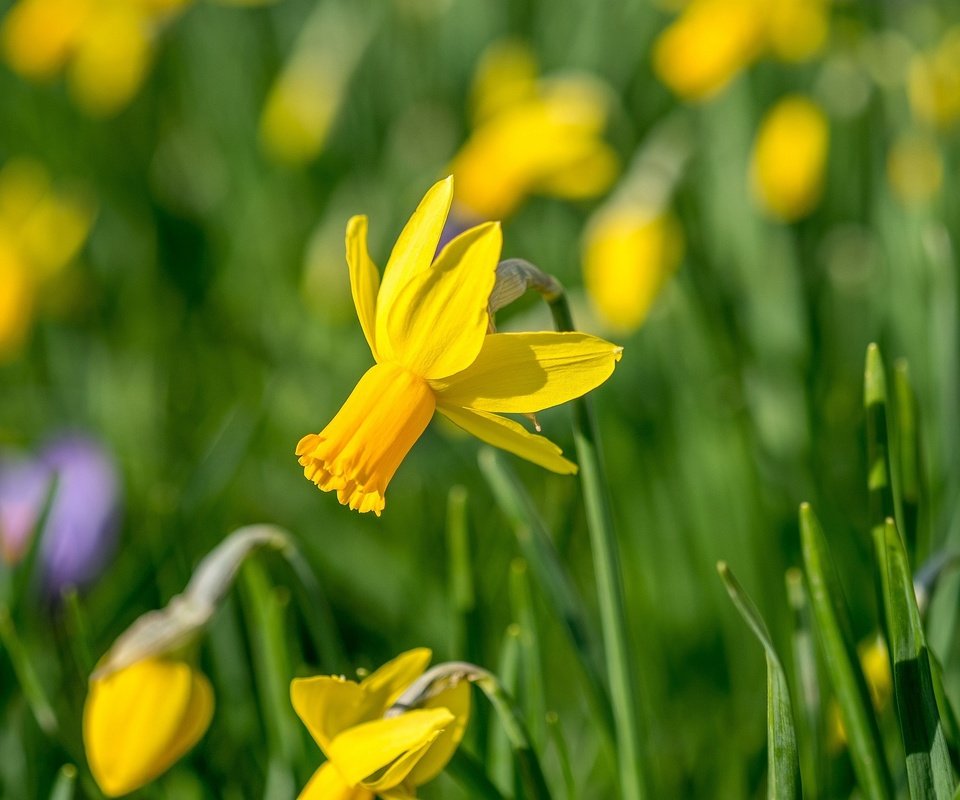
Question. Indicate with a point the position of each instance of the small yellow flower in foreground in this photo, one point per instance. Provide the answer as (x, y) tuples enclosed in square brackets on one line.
[(531, 137), (426, 323), (629, 253), (139, 721), (713, 40), (369, 752), (789, 158), (934, 82), (875, 663)]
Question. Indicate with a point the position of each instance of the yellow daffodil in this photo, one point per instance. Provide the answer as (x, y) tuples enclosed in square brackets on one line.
[(789, 158), (370, 747), (934, 82), (629, 252), (531, 137), (713, 40), (427, 325), (139, 721), (41, 231)]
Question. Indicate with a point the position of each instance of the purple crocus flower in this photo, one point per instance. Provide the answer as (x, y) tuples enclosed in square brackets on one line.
[(79, 533), (81, 530), (24, 483)]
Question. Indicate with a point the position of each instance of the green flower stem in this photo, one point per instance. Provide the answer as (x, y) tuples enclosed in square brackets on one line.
[(620, 667), (469, 773)]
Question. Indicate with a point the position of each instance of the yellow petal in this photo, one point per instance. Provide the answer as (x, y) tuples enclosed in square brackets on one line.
[(520, 373), (708, 45), (137, 722), (587, 176), (385, 685), (415, 247), (326, 784), (457, 701), (16, 302), (506, 75), (110, 62), (363, 751), (327, 705), (508, 435), (789, 158), (364, 279), (437, 322), (629, 252), (38, 35), (358, 453)]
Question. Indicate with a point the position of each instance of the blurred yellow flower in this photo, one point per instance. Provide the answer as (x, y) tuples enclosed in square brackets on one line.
[(426, 324), (104, 45), (531, 137), (303, 102), (369, 750), (915, 168), (41, 231), (875, 663), (629, 252), (934, 82), (139, 721), (789, 158), (713, 40)]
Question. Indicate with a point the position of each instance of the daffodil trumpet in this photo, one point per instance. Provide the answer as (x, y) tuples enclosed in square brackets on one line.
[(427, 324)]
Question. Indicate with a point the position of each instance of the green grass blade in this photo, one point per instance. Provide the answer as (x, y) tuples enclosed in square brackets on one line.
[(783, 765), (811, 737), (928, 761), (879, 483), (836, 639), (63, 787), (532, 700), (908, 459), (469, 773), (551, 575)]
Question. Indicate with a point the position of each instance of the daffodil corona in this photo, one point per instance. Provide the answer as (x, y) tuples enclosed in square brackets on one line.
[(370, 749), (427, 326)]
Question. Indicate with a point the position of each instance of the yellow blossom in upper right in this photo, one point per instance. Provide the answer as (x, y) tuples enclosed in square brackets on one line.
[(934, 82), (713, 40), (789, 158), (531, 137)]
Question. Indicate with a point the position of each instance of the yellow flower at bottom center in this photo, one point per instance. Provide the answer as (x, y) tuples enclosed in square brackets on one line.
[(361, 448)]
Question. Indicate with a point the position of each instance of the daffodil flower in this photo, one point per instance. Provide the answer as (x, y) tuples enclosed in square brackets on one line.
[(427, 326), (370, 751), (531, 137), (139, 721)]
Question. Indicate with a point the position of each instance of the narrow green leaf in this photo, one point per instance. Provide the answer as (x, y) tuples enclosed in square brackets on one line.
[(27, 676), (908, 458), (836, 639), (875, 405), (783, 766), (811, 737), (928, 761), (63, 787), (551, 575), (500, 760), (532, 700)]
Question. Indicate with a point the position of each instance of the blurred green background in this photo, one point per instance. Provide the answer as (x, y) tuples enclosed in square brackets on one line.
[(206, 325)]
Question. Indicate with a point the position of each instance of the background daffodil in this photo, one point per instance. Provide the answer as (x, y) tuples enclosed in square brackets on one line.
[(426, 324), (369, 753)]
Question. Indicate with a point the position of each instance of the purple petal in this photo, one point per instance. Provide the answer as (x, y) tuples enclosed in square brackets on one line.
[(24, 483)]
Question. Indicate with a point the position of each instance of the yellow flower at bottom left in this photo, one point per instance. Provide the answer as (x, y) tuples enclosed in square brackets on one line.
[(138, 721)]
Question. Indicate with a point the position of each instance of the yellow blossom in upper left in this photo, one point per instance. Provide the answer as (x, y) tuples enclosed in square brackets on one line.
[(41, 231), (427, 323)]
